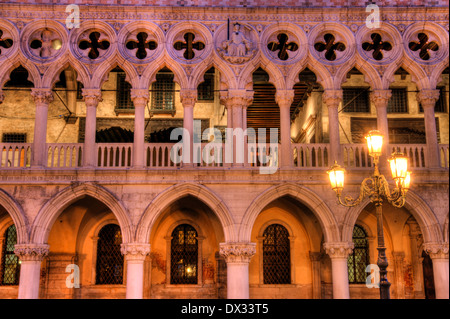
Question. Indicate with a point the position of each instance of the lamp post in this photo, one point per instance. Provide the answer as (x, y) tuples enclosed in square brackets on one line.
[(376, 188)]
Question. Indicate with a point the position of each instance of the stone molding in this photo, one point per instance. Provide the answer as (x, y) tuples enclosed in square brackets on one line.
[(42, 96), (436, 250), (237, 252), (428, 98), (31, 252), (135, 251), (338, 250)]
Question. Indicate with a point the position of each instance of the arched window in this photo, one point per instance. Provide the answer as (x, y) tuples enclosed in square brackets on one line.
[(276, 255), (109, 268), (10, 268), (359, 259), (184, 255)]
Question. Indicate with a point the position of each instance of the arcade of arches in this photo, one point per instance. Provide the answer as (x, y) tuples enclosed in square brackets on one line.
[(92, 205)]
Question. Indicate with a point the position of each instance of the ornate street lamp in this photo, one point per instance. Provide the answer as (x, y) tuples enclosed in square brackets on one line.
[(376, 188)]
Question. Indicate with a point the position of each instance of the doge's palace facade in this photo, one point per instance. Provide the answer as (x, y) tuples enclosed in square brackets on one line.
[(88, 187)]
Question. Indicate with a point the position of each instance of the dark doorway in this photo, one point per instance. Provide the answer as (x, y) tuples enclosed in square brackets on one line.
[(428, 277)]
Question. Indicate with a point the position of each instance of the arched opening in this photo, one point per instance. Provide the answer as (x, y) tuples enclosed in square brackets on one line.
[(9, 262)]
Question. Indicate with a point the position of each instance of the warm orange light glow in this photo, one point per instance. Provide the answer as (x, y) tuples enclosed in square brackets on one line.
[(406, 182), (336, 175), (374, 143), (399, 167)]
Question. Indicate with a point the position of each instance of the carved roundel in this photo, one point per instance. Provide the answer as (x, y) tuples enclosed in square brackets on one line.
[(189, 43), (236, 43), (381, 45), (93, 42), (426, 44), (9, 39), (284, 43), (44, 41), (140, 42), (331, 43)]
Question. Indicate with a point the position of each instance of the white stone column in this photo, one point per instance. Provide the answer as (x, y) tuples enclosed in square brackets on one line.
[(332, 99), (188, 99), (339, 253), (91, 98), (380, 98), (140, 99), (428, 98), (42, 99), (135, 254), (399, 259), (438, 253), (284, 99), (31, 256), (237, 257)]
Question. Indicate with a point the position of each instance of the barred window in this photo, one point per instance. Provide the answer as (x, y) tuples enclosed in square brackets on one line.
[(163, 91), (123, 93), (356, 100), (184, 255), (441, 105), (276, 255), (398, 103), (14, 138), (206, 88), (10, 268), (359, 259), (109, 268)]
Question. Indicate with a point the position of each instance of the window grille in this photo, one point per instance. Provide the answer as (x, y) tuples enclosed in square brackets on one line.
[(356, 100), (398, 103), (359, 259), (163, 90), (276, 255), (184, 255), (10, 268), (206, 89), (440, 106), (123, 93), (109, 270), (14, 138)]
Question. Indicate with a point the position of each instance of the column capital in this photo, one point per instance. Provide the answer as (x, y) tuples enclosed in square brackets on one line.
[(380, 98), (139, 96), (428, 98), (92, 96), (135, 251), (188, 97), (284, 98), (31, 252), (237, 252), (238, 98), (42, 96), (332, 98), (436, 250), (338, 250)]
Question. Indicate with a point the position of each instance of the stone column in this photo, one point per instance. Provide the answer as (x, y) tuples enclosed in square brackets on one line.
[(332, 99), (315, 258), (399, 258), (188, 99), (339, 253), (414, 233), (380, 98), (140, 99), (284, 99), (237, 257), (91, 98), (31, 256), (42, 99), (438, 253), (428, 100), (135, 254)]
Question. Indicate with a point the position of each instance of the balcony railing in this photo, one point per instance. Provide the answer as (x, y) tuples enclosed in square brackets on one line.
[(208, 155)]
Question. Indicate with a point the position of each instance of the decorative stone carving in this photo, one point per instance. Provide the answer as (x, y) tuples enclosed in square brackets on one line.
[(238, 48), (139, 96), (332, 98), (31, 252), (92, 96), (135, 251), (238, 98), (436, 250), (338, 249), (428, 98), (45, 43), (380, 97), (284, 98), (188, 97), (237, 252), (42, 96), (6, 41)]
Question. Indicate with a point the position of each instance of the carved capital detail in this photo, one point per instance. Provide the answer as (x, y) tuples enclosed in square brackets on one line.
[(92, 96), (428, 98), (338, 249), (380, 97), (237, 252), (436, 250), (239, 98), (284, 98), (31, 252), (135, 251), (42, 96), (332, 98), (139, 97), (188, 97)]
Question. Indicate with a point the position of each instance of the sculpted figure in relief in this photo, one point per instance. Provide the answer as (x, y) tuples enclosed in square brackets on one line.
[(238, 49)]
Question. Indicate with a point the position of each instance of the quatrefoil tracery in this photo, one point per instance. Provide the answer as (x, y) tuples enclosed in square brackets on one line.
[(330, 47), (283, 46), (45, 43), (142, 45), (189, 45), (377, 45), (94, 44), (5, 42), (423, 46)]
